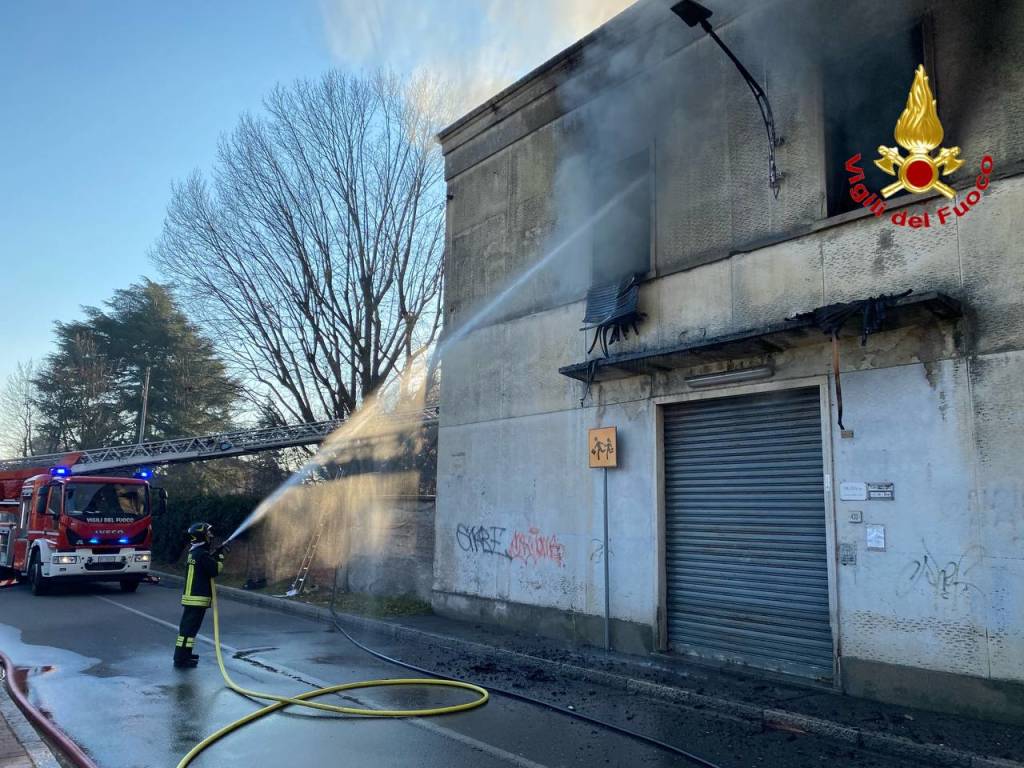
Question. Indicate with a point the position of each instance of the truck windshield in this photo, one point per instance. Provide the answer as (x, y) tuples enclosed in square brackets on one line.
[(106, 502)]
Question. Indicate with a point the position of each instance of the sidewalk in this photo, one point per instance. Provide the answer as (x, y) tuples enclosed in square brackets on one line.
[(492, 655), (20, 745), (12, 754)]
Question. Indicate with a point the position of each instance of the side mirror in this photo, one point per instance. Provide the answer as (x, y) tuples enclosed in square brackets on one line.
[(53, 484), (161, 508)]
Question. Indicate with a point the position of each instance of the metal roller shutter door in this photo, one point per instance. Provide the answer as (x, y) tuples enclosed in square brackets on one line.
[(746, 567)]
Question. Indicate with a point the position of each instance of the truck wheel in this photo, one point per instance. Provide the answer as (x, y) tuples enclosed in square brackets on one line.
[(129, 585), (35, 576)]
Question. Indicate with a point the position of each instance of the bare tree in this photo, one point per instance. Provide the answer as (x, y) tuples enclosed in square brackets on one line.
[(18, 411), (315, 253)]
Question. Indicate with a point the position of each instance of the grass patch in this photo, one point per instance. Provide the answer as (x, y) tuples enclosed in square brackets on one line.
[(376, 605)]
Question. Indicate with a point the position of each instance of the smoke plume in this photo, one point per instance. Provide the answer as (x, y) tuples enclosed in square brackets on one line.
[(478, 46)]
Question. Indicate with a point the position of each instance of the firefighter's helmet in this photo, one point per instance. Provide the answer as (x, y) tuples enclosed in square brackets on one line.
[(200, 533)]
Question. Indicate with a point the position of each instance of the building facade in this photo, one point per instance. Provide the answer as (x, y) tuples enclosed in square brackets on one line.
[(746, 526)]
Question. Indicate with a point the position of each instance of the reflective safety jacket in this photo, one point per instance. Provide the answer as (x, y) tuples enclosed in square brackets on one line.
[(202, 567)]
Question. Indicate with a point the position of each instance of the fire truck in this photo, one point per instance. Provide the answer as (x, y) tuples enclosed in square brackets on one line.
[(56, 526)]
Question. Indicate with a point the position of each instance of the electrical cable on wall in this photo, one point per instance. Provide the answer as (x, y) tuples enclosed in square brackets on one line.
[(694, 14), (612, 310), (831, 319)]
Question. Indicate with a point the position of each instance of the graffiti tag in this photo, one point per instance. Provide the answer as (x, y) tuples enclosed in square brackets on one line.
[(534, 547), (481, 539), (946, 580)]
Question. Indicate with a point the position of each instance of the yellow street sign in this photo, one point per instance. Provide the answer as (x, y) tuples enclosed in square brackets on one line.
[(602, 447)]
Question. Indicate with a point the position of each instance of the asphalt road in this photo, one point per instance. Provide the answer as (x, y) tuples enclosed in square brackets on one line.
[(100, 665)]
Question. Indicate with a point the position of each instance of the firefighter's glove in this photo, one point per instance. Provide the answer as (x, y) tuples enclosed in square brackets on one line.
[(223, 549)]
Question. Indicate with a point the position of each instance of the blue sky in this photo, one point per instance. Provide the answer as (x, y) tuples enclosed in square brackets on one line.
[(105, 104)]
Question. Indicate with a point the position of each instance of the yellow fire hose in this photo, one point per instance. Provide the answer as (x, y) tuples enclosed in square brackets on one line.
[(303, 699)]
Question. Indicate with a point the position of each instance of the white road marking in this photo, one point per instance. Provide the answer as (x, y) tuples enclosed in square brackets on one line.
[(160, 621), (480, 746), (416, 722)]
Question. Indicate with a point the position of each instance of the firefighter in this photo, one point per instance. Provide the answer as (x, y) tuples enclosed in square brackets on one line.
[(203, 566)]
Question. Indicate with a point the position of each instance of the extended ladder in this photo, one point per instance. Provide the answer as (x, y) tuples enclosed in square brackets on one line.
[(200, 448), (307, 560)]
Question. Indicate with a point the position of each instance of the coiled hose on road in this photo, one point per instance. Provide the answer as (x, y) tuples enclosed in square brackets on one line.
[(78, 757), (663, 745), (303, 699), (436, 679)]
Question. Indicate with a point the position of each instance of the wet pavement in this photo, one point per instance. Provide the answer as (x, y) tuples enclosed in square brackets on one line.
[(99, 664)]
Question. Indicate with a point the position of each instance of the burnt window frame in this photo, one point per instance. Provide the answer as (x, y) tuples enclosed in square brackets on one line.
[(621, 158), (924, 24)]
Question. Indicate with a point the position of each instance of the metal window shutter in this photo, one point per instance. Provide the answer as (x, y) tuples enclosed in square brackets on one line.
[(746, 568)]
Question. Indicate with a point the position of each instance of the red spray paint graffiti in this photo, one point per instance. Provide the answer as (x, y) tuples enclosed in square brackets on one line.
[(533, 547)]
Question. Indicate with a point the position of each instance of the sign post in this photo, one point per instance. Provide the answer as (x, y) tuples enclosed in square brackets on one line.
[(603, 453)]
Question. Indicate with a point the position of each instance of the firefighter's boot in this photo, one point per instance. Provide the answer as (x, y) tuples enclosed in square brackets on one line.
[(183, 656)]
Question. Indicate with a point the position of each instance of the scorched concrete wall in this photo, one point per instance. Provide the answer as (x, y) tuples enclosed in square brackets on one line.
[(936, 408)]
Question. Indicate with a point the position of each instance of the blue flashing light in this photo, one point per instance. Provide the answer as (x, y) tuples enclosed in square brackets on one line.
[(94, 540), (143, 473), (123, 540), (60, 471)]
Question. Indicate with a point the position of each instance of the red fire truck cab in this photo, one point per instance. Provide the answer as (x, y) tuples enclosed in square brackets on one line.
[(60, 527)]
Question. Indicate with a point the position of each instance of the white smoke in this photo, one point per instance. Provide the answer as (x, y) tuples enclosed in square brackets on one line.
[(478, 47)]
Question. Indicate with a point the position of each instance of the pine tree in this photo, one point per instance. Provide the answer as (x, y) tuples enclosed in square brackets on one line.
[(90, 390), (74, 392)]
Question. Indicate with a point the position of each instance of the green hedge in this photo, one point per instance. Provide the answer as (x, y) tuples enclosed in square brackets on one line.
[(224, 513)]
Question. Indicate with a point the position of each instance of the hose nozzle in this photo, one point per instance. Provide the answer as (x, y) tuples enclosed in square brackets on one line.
[(223, 549)]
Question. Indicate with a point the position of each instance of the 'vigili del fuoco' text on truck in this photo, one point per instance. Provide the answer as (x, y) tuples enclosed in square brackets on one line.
[(59, 527)]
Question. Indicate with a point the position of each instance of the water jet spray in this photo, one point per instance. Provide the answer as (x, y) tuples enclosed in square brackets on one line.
[(359, 423)]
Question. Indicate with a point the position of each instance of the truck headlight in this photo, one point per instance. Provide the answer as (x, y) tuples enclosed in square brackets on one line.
[(65, 559), (143, 558)]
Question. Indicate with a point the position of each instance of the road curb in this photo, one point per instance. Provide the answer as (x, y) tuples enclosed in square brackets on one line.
[(39, 751), (762, 717)]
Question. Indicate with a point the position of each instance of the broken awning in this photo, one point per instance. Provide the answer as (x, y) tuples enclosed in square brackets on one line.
[(914, 309)]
